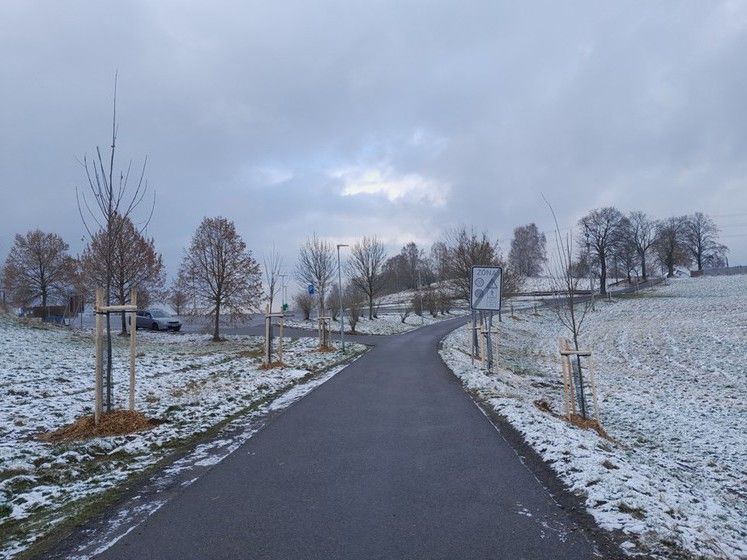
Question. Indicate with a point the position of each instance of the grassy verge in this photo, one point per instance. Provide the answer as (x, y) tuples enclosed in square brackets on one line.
[(56, 524)]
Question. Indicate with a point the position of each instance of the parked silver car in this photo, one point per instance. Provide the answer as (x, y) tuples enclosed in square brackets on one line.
[(157, 320)]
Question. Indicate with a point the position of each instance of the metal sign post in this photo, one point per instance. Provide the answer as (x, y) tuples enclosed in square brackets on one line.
[(485, 295)]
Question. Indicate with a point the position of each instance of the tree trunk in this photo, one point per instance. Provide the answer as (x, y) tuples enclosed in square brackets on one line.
[(643, 267), (123, 314), (603, 274), (216, 330), (370, 307), (45, 315)]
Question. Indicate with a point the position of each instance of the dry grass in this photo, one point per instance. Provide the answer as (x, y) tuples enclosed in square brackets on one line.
[(273, 365), (589, 424), (118, 422), (575, 419)]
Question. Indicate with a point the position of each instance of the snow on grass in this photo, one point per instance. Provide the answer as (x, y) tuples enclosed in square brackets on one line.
[(672, 379), (191, 383), (384, 324)]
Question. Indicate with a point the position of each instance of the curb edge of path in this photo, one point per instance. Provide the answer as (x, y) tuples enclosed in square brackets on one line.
[(155, 483), (607, 543)]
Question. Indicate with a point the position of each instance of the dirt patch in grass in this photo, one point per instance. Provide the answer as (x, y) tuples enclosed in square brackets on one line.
[(115, 423)]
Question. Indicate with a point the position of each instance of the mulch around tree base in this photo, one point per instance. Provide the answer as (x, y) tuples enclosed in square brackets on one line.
[(115, 423), (575, 419)]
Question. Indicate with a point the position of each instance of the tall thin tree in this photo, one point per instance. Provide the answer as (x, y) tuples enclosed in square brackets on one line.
[(272, 264), (701, 239), (104, 197), (602, 226), (225, 276), (644, 234), (366, 260), (316, 267)]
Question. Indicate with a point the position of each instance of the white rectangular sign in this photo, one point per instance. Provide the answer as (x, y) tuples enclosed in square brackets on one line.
[(485, 288)]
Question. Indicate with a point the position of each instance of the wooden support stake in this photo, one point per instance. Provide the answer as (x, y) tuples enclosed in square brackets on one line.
[(565, 365), (268, 351), (280, 343), (99, 356), (133, 330), (594, 390)]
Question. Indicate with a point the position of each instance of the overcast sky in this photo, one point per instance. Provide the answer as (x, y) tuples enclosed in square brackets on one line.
[(399, 119)]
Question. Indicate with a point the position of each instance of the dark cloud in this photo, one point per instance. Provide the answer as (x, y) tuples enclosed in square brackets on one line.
[(435, 115)]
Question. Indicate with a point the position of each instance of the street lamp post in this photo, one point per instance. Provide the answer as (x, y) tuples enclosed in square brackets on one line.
[(339, 295), (420, 297)]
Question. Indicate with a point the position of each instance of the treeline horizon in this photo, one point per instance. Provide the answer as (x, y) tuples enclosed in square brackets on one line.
[(220, 273)]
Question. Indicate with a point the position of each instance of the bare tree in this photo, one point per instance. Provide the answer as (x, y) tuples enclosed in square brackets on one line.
[(527, 254), (366, 259), (316, 266), (431, 302), (670, 244), (272, 264), (440, 261), (178, 296), (644, 235), (417, 304), (626, 256), (444, 301), (39, 267), (570, 309), (305, 304), (226, 276), (405, 311), (144, 298), (412, 264), (352, 303), (133, 263), (467, 249), (603, 226), (333, 301), (623, 250), (701, 239), (104, 198)]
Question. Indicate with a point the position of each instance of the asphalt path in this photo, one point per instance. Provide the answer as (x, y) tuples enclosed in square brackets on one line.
[(388, 459)]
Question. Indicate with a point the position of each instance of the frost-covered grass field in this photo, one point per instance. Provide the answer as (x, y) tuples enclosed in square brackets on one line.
[(192, 384), (384, 324), (672, 376)]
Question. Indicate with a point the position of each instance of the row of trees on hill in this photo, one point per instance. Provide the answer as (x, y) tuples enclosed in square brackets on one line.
[(370, 273), (622, 245), (219, 275)]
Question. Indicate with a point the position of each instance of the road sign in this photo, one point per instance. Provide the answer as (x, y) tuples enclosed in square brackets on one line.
[(311, 289), (485, 288), (285, 307)]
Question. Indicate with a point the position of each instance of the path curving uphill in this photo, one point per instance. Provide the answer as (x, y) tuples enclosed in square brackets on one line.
[(388, 459)]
